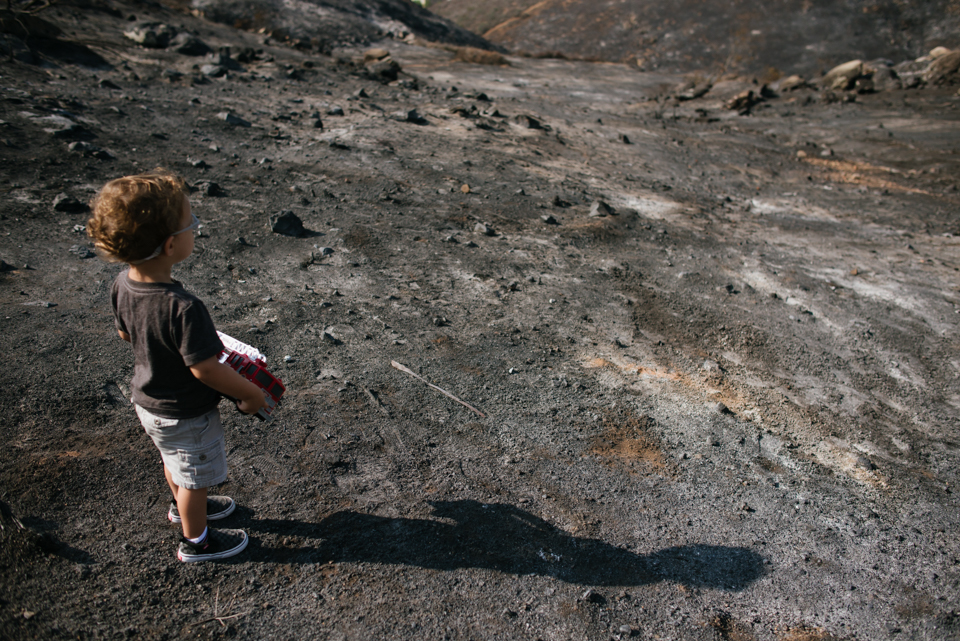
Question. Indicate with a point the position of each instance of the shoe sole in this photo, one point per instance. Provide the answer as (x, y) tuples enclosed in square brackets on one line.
[(210, 517), (214, 556)]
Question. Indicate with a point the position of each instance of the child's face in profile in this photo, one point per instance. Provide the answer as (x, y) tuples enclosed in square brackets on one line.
[(183, 246)]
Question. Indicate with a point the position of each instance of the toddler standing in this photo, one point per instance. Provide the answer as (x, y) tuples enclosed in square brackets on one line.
[(146, 222)]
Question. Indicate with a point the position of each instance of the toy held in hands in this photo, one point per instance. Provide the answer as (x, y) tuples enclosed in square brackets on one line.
[(252, 365)]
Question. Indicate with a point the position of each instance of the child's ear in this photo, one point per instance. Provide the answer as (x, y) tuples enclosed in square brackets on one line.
[(168, 246)]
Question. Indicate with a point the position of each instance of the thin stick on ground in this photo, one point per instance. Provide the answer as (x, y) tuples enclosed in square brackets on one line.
[(216, 612), (407, 370)]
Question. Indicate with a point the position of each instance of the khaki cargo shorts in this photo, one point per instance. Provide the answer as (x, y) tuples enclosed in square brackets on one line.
[(192, 448)]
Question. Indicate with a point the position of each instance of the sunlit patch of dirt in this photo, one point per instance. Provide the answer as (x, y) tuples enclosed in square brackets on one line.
[(81, 449), (596, 363), (729, 629), (804, 632), (840, 456), (628, 441), (915, 605), (865, 174), (699, 387), (770, 466), (590, 224)]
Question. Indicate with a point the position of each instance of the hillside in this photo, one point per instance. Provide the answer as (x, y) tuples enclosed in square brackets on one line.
[(746, 36)]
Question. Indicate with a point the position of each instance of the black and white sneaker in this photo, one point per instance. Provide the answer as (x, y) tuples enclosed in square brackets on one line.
[(218, 507), (219, 544)]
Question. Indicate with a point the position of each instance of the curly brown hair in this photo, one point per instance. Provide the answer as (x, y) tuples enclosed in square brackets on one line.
[(134, 215)]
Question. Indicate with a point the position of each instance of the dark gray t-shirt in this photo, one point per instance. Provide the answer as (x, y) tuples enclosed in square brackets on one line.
[(170, 330)]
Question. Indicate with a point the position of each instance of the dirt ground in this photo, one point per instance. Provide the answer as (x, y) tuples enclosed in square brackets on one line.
[(725, 408)]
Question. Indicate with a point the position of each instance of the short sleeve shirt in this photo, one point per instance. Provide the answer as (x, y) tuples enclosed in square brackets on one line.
[(170, 330)]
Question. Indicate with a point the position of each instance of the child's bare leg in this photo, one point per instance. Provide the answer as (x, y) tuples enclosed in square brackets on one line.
[(192, 505), (173, 486)]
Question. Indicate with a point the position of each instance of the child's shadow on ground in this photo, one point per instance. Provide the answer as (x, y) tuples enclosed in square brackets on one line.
[(505, 538)]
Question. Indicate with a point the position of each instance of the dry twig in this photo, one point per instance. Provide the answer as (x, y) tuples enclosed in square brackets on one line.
[(400, 367), (216, 612)]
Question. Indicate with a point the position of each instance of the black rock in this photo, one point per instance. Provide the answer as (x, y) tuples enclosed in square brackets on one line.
[(287, 223), (335, 111), (327, 337), (386, 70), (409, 115), (910, 73), (107, 84), (153, 35), (189, 45), (90, 151), (69, 204), (13, 47), (60, 126), (600, 208), (82, 251), (693, 90), (230, 119), (528, 122), (247, 55), (214, 71), (592, 596), (209, 188), (486, 230)]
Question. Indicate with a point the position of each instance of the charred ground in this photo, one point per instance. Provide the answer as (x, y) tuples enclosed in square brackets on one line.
[(725, 407), (679, 36)]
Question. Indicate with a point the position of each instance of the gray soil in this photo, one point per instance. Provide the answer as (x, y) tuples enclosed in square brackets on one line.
[(727, 409)]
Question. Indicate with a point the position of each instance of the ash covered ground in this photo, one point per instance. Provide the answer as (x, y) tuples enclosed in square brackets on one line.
[(712, 351), (747, 36)]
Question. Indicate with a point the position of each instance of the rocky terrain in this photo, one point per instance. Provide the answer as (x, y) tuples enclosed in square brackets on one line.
[(679, 36), (698, 340), (322, 26)]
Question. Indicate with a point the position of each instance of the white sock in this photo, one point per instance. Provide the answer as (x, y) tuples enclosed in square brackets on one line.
[(199, 538)]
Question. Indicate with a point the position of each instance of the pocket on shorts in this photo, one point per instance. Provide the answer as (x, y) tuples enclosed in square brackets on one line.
[(149, 420), (203, 424), (204, 466)]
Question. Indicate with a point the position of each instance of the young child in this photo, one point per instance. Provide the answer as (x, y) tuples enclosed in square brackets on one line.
[(146, 222)]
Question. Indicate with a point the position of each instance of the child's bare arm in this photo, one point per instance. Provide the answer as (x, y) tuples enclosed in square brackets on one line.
[(125, 336), (225, 380)]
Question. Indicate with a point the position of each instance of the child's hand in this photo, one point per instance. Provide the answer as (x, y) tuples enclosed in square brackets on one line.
[(232, 385), (254, 403)]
